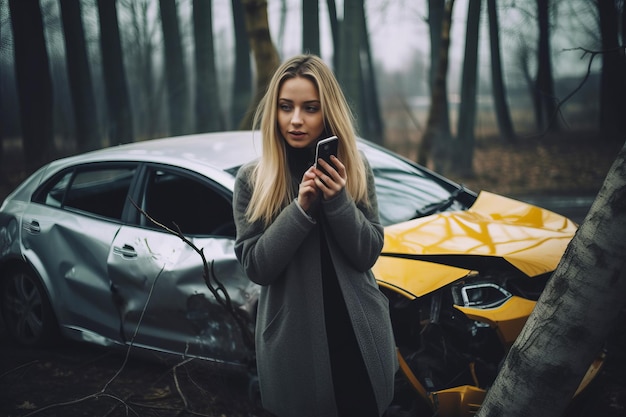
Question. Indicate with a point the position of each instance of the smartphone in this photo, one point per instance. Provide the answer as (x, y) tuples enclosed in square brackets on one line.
[(326, 148)]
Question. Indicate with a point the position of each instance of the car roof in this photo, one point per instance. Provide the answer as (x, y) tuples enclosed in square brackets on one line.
[(222, 151)]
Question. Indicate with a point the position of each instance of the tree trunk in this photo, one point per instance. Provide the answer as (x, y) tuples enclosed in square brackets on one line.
[(208, 113), (334, 28), (462, 150), (242, 82), (79, 74), (436, 17), (34, 84), (573, 316), (120, 120), (545, 99), (374, 128), (623, 44), (311, 27), (437, 133), (349, 71), (265, 54), (177, 89), (149, 123), (501, 107), (281, 25), (613, 76)]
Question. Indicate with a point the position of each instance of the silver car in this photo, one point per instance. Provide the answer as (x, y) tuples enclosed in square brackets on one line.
[(78, 255)]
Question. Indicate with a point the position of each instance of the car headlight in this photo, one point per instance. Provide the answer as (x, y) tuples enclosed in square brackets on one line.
[(481, 295)]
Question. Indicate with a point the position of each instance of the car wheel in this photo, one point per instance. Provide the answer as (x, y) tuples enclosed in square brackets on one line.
[(26, 310)]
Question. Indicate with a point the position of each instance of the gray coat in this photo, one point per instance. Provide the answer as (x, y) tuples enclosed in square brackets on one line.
[(284, 258)]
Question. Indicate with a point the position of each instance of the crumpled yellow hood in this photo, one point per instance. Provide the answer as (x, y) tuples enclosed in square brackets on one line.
[(428, 253)]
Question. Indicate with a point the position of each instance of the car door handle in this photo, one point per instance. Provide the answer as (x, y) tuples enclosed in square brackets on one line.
[(32, 227), (126, 251)]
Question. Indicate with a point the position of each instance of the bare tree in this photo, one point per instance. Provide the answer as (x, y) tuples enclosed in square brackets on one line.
[(577, 308), (334, 28), (120, 120), (1, 95), (242, 82), (349, 71), (208, 112), (34, 85), (544, 96), (462, 151), (177, 88), (436, 18), (437, 133), (79, 74), (501, 107), (372, 125), (147, 91), (265, 53), (281, 25), (613, 75), (311, 27)]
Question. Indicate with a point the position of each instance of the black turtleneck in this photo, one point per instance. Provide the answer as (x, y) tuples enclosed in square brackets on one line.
[(300, 159)]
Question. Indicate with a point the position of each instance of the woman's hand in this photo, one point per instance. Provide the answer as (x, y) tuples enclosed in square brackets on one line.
[(334, 181), (308, 191)]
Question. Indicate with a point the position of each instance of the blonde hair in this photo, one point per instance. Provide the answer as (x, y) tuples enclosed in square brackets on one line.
[(271, 178)]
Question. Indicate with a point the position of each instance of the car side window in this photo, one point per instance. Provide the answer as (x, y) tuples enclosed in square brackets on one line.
[(180, 201), (101, 191)]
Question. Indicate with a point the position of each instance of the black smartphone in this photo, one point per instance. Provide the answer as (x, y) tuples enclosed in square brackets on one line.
[(326, 148)]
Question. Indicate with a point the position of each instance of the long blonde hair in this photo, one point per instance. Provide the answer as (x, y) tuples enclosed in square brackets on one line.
[(271, 177)]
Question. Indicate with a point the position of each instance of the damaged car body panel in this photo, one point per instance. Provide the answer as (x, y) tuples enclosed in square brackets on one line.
[(161, 301), (133, 246), (525, 236)]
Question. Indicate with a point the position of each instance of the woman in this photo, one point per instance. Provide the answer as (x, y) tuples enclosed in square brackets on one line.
[(323, 335)]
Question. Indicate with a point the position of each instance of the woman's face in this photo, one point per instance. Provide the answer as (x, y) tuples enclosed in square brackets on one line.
[(300, 119)]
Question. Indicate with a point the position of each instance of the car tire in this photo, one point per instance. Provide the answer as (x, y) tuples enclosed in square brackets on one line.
[(28, 315)]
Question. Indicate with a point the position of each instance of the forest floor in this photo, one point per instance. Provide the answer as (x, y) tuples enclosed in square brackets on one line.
[(73, 380)]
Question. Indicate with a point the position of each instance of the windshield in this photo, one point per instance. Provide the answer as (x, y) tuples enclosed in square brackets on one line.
[(403, 191)]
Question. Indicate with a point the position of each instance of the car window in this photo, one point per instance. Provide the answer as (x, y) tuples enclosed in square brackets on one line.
[(403, 191), (101, 191), (187, 202)]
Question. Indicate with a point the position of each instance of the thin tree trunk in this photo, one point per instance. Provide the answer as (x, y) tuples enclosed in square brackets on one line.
[(437, 133), (545, 99), (120, 120), (79, 74), (177, 88), (462, 150), (281, 25), (374, 129), (349, 71), (1, 112), (334, 28), (265, 54), (573, 316), (34, 84), (613, 75), (501, 107), (311, 27), (242, 82), (436, 16), (150, 121), (208, 112)]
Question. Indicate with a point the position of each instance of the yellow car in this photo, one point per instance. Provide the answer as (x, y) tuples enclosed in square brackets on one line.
[(461, 285)]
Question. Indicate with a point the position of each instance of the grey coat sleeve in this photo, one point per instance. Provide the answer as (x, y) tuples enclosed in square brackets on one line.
[(265, 252), (356, 228)]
